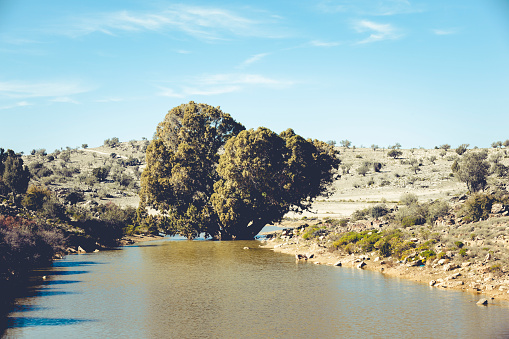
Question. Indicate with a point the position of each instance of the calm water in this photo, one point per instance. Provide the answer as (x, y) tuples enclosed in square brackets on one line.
[(205, 289)]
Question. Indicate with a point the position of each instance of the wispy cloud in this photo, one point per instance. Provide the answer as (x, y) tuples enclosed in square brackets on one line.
[(110, 100), (66, 100), (318, 43), (445, 31), (253, 59), (223, 83), (18, 104), (370, 7), (378, 32), (14, 89), (206, 23)]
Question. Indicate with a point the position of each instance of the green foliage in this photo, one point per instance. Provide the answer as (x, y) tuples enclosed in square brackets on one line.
[(394, 153), (110, 224), (345, 143), (472, 169), (181, 166), (378, 211), (312, 232), (377, 166), (113, 142), (385, 249), (14, 176), (459, 244), (35, 197), (462, 148), (445, 147), (65, 156), (477, 207), (265, 175), (463, 252), (427, 255), (101, 173)]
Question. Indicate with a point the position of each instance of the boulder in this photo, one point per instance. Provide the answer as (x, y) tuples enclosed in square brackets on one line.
[(482, 302), (417, 262), (432, 282), (338, 264), (81, 250), (450, 266), (301, 257), (497, 208), (361, 265), (246, 248), (377, 259)]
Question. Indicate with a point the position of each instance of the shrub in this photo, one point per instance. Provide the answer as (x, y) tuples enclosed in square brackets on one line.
[(385, 249), (35, 197), (477, 207), (101, 173), (458, 244), (394, 153), (463, 252), (408, 199), (113, 142), (462, 149), (412, 220), (378, 211), (377, 166)]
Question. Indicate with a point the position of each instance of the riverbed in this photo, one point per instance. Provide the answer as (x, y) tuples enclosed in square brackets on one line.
[(206, 289)]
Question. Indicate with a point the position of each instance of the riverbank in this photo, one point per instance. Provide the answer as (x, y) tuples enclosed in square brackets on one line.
[(471, 277)]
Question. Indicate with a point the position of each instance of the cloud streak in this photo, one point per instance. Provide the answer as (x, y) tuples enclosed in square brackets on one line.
[(378, 32), (253, 59), (205, 23), (15, 89), (445, 31), (222, 84), (18, 104)]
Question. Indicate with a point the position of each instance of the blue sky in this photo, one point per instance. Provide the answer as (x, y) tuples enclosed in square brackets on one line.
[(421, 73)]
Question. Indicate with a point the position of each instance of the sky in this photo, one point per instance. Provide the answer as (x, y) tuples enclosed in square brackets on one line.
[(421, 73)]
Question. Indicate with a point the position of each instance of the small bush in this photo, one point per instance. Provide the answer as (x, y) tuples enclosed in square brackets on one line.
[(408, 199), (477, 207), (379, 211)]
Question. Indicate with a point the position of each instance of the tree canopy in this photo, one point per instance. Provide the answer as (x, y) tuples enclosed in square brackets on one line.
[(472, 169), (208, 174), (14, 176)]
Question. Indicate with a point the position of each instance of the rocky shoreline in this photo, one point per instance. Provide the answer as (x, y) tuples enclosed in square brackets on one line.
[(439, 273)]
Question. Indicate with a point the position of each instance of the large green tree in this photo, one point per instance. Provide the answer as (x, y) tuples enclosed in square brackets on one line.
[(210, 175), (265, 175), (181, 166)]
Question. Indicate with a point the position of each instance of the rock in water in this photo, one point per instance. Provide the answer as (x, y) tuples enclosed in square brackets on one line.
[(482, 302), (361, 265), (339, 264)]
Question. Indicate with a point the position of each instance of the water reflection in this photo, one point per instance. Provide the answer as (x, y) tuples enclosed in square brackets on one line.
[(14, 322), (196, 289)]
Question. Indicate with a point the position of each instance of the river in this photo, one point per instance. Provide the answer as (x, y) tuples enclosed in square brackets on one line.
[(206, 289)]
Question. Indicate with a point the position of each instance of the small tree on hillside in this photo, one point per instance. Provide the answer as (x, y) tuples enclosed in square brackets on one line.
[(473, 170), (345, 143), (14, 176), (394, 153), (462, 148), (445, 147)]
